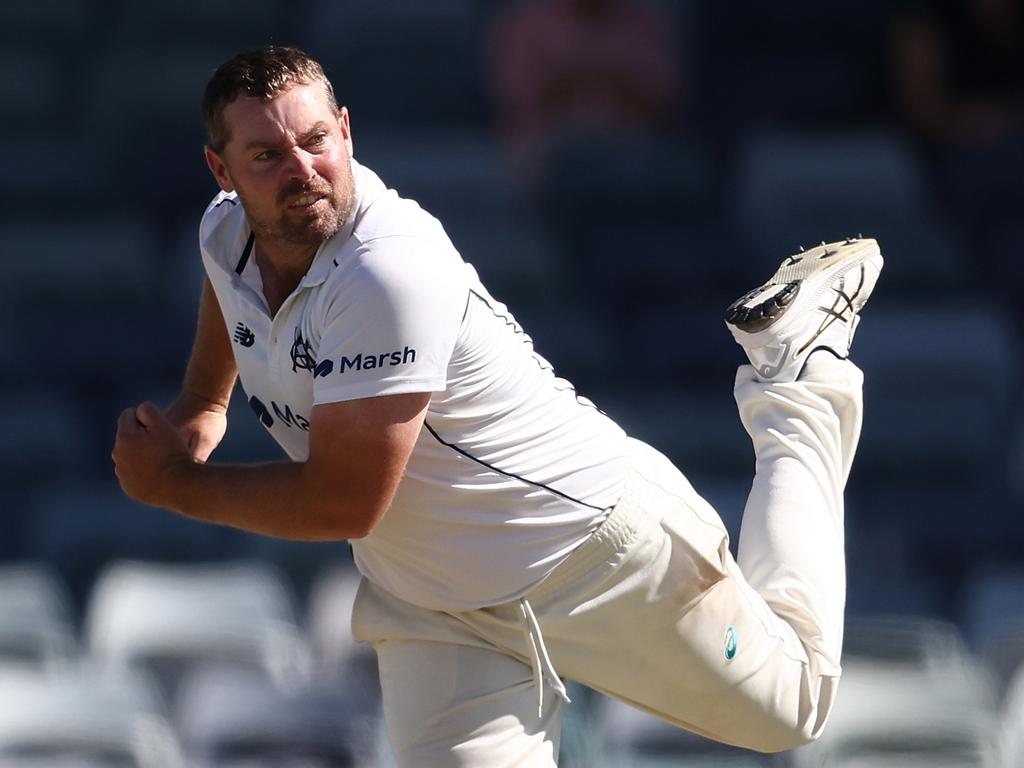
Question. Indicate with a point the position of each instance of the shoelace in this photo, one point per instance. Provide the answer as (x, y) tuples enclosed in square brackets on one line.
[(543, 669)]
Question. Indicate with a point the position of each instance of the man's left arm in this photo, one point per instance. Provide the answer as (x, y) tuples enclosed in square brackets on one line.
[(358, 450)]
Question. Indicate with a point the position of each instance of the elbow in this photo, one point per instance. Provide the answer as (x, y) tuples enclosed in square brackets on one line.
[(338, 522), (779, 731), (368, 517), (338, 511), (359, 529), (358, 533)]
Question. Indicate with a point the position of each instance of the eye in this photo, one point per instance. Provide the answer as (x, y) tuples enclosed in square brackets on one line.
[(317, 139), (266, 156)]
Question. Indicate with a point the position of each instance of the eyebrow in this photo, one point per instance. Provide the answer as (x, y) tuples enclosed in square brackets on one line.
[(318, 127)]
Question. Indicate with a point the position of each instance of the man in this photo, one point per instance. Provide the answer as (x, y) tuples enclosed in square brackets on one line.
[(509, 532)]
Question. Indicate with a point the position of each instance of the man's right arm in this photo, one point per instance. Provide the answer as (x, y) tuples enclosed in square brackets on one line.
[(200, 411)]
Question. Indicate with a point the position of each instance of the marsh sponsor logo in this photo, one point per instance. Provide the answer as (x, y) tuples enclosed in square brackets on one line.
[(366, 361), (284, 415)]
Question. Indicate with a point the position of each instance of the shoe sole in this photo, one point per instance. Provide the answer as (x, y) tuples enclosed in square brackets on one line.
[(815, 269)]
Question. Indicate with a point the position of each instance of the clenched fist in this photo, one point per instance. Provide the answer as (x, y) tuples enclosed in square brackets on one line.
[(149, 453)]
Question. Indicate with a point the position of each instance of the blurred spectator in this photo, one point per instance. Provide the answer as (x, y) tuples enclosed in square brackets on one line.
[(959, 85), (960, 70), (585, 96), (562, 67)]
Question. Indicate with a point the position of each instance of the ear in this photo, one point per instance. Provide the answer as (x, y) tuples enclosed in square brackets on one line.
[(219, 169), (346, 128)]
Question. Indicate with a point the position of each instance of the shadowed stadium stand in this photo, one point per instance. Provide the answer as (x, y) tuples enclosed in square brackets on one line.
[(784, 124)]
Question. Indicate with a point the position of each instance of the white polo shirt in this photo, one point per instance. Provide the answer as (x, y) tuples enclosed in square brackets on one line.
[(511, 471)]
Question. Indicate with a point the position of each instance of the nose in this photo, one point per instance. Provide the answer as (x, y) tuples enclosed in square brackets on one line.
[(300, 165)]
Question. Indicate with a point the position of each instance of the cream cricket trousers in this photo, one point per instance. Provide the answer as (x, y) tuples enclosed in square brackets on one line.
[(652, 609)]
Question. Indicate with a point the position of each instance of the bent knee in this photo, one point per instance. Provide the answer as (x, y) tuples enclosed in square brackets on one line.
[(780, 732)]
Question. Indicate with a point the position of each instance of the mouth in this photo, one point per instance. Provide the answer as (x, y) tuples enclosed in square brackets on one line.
[(306, 202)]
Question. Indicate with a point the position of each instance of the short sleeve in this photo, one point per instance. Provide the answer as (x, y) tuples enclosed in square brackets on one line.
[(391, 321)]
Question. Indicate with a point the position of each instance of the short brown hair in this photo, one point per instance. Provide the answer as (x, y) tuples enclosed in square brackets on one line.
[(263, 73)]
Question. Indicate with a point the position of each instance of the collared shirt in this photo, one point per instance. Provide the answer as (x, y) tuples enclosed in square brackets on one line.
[(511, 471)]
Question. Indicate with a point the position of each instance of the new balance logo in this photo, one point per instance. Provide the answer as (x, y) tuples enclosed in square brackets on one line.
[(244, 336)]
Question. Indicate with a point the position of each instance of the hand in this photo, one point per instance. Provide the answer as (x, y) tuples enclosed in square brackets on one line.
[(200, 423), (147, 452)]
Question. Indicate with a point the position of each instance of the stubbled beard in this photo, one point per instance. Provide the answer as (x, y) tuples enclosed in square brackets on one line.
[(307, 232), (317, 230)]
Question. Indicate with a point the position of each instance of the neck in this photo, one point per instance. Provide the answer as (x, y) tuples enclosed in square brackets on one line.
[(282, 266)]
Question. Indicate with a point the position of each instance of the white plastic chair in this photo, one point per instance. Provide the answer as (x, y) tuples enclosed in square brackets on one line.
[(1012, 722), (230, 717), (896, 714), (171, 616), (36, 622), (633, 739), (84, 716)]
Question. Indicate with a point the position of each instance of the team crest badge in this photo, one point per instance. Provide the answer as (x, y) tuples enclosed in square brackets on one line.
[(302, 359)]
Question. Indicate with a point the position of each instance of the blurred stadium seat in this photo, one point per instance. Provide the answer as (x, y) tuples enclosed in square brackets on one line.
[(788, 65), (329, 625), (37, 90), (794, 189), (518, 261), (222, 24), (80, 527), (785, 137), (168, 618), (698, 430), (992, 603), (47, 436), (633, 739), (54, 21), (77, 279), (912, 641), (455, 175), (897, 714), (671, 267), (575, 340), (96, 262), (85, 717), (383, 36), (230, 718), (37, 621), (938, 385), (1012, 741)]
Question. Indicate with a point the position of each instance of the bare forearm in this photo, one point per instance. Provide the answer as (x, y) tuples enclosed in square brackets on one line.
[(273, 499), (211, 372), (358, 453), (200, 411)]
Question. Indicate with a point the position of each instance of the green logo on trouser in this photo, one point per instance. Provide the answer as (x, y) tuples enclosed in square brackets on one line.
[(732, 643)]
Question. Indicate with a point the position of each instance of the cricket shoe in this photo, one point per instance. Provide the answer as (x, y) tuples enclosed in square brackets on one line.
[(809, 304)]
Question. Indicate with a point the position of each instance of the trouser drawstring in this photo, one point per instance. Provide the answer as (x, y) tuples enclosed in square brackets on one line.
[(543, 669)]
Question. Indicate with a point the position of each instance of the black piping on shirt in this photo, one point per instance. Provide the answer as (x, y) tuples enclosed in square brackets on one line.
[(245, 254), (493, 468)]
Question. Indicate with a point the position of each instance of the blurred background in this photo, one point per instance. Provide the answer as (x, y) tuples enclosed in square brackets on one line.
[(618, 171)]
